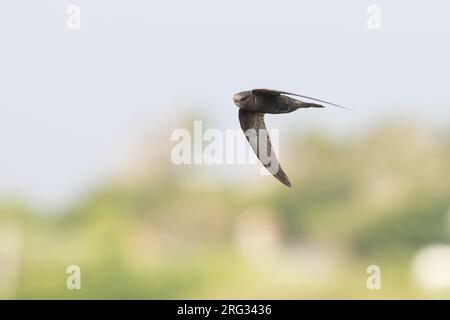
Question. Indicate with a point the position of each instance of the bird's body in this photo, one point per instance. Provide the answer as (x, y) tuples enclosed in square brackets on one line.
[(270, 101), (252, 107)]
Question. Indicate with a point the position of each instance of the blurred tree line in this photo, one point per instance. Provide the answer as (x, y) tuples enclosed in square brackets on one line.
[(376, 199)]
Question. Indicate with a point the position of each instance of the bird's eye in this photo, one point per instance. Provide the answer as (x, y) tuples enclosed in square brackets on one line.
[(243, 99)]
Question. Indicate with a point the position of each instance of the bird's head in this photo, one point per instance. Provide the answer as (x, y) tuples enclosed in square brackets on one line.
[(242, 99)]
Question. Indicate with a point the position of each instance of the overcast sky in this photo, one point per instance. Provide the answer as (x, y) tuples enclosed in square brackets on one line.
[(72, 101)]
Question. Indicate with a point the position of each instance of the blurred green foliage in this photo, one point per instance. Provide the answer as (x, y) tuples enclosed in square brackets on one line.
[(376, 199)]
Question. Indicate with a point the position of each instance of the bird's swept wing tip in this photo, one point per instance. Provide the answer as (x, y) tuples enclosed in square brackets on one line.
[(283, 179)]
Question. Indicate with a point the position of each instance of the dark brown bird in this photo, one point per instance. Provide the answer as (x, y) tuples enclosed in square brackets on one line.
[(253, 105)]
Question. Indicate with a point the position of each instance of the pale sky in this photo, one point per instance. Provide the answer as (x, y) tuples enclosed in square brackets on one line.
[(71, 102)]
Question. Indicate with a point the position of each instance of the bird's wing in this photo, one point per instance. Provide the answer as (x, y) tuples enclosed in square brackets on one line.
[(271, 92), (256, 133), (268, 92)]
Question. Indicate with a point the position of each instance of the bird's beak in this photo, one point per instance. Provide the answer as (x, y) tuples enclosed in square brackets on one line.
[(235, 98)]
